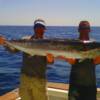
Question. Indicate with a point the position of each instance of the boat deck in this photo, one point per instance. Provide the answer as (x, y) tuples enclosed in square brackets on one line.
[(56, 91)]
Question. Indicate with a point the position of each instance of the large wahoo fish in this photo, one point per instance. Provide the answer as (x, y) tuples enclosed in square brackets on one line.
[(67, 48)]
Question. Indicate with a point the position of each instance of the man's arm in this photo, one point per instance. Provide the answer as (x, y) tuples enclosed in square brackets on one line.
[(50, 59), (2, 40), (69, 60)]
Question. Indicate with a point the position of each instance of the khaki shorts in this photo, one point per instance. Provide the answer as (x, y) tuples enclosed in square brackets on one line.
[(32, 88)]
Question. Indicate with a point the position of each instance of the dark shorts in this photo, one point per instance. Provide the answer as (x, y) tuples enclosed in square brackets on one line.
[(77, 92)]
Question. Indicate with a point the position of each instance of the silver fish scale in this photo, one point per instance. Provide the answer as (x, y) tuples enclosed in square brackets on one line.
[(57, 48)]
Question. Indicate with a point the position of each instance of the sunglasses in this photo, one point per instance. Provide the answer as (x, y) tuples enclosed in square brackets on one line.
[(84, 28)]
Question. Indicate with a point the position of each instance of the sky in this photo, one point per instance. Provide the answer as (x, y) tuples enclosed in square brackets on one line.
[(54, 12)]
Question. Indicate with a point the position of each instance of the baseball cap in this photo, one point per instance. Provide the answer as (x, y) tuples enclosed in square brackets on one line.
[(39, 23)]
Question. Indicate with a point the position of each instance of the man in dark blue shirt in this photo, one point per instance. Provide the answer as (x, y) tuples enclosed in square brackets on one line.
[(82, 76)]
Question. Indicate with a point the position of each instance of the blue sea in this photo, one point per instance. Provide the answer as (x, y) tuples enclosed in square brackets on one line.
[(10, 64)]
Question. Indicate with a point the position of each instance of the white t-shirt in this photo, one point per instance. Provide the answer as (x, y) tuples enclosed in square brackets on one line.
[(88, 41)]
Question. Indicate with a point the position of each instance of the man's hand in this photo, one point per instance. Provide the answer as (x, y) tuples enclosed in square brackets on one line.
[(50, 58), (97, 60), (2, 40)]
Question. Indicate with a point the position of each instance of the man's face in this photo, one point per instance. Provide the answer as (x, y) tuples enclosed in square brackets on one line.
[(39, 31), (84, 30)]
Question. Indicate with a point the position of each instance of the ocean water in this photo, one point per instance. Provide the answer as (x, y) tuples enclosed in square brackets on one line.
[(10, 64)]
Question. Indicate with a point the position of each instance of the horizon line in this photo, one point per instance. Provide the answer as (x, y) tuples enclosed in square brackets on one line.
[(53, 25)]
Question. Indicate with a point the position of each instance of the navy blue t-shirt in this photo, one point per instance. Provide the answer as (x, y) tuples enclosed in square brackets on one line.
[(83, 73)]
